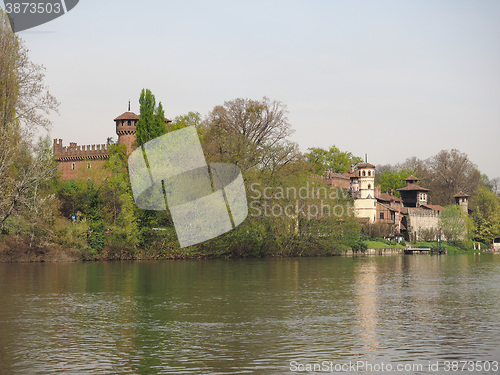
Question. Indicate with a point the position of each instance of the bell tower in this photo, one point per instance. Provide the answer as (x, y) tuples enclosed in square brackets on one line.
[(125, 129)]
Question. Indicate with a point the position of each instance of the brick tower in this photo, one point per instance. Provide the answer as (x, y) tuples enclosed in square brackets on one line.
[(125, 129)]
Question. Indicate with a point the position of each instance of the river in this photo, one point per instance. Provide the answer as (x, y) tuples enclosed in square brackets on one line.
[(262, 316)]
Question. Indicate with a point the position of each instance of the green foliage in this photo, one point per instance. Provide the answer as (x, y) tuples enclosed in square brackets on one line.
[(453, 223), (485, 205), (391, 180), (183, 121), (151, 122), (334, 159)]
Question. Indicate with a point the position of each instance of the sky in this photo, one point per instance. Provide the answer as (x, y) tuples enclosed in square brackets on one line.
[(391, 79)]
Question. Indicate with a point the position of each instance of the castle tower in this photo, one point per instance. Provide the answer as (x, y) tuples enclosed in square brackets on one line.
[(365, 206), (125, 129), (413, 195), (462, 200), (366, 180)]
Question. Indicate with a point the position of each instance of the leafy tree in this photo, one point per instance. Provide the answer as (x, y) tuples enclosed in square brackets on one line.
[(334, 159), (26, 166), (485, 205), (391, 180), (151, 122), (183, 121), (453, 223)]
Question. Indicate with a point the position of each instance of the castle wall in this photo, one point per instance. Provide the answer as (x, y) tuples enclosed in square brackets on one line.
[(423, 224), (79, 169), (79, 161)]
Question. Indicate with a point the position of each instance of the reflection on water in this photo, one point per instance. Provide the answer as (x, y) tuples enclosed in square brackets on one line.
[(246, 316)]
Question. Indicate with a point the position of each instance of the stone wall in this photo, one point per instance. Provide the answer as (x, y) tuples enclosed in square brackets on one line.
[(422, 224)]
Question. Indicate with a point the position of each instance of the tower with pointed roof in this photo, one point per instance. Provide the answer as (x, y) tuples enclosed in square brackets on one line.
[(414, 195)]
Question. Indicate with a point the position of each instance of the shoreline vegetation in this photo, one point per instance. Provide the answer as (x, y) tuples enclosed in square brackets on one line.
[(292, 212), (18, 249)]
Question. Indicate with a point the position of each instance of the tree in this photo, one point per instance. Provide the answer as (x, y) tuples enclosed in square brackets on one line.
[(183, 121), (453, 223), (391, 180), (244, 131), (151, 122), (26, 166), (334, 159), (485, 205)]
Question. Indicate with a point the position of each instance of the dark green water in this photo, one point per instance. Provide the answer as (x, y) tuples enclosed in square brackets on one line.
[(248, 316)]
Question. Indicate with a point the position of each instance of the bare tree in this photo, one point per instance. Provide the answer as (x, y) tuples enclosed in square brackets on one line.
[(245, 131)]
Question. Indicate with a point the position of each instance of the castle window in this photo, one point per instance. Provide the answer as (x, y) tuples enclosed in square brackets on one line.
[(72, 165), (382, 215), (364, 173), (129, 123), (369, 186), (88, 165), (369, 173)]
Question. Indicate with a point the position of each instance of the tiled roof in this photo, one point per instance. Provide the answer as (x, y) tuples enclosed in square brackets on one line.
[(366, 165), (412, 178), (435, 207), (388, 198), (413, 187), (461, 195), (127, 116)]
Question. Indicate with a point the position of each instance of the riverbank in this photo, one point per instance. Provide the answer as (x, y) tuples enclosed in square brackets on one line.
[(18, 249)]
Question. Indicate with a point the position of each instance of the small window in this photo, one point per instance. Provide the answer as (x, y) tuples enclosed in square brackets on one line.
[(382, 215), (369, 173), (88, 165), (369, 186), (364, 173), (72, 165), (129, 123)]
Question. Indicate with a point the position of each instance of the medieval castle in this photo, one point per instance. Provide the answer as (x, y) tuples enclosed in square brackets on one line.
[(74, 160), (410, 215)]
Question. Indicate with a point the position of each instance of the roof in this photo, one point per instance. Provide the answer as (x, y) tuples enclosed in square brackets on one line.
[(127, 116), (388, 198), (344, 176), (435, 207), (365, 165), (412, 178), (413, 187), (461, 195)]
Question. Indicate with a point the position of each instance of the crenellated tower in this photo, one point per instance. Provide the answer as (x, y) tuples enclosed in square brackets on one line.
[(126, 126)]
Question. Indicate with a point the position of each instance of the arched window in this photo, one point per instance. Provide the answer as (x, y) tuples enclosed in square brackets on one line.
[(364, 173), (72, 165), (369, 173)]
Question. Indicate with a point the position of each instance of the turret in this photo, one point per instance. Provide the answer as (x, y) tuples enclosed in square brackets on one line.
[(462, 200), (125, 129)]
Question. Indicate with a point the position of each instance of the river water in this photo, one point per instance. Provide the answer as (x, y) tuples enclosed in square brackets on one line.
[(259, 316)]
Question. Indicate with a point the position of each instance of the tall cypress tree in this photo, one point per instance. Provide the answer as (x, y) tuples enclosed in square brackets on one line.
[(145, 125), (151, 122), (159, 123)]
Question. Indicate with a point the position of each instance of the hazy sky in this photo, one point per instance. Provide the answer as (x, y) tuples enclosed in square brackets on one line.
[(392, 79)]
